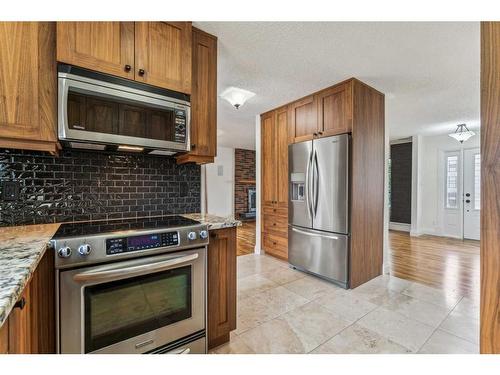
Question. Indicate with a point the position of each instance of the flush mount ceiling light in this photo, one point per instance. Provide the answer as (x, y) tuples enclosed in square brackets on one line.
[(236, 96), (462, 133)]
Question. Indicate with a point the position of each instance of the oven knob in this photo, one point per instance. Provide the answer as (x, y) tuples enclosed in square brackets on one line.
[(192, 236), (203, 234), (84, 250), (64, 252)]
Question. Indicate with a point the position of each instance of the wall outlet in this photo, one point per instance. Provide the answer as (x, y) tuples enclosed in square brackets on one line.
[(10, 190)]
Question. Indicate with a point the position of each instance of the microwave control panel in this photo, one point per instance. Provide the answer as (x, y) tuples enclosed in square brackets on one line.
[(180, 126), (142, 242)]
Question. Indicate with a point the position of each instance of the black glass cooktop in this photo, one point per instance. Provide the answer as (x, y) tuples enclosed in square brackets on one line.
[(88, 228)]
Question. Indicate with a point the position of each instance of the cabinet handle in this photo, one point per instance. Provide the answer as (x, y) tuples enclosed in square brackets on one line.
[(274, 243), (193, 146), (315, 134), (320, 133), (213, 235), (274, 224), (20, 304), (141, 72), (128, 68)]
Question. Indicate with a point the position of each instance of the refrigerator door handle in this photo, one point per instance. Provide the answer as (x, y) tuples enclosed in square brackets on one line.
[(308, 186), (313, 234), (316, 182)]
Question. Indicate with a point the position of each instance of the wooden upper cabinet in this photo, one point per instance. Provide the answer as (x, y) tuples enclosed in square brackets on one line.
[(269, 162), (303, 121), (28, 92), (163, 54), (282, 156), (203, 100), (335, 110), (106, 47)]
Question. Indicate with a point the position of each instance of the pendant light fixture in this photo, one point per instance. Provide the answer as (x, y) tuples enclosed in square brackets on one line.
[(236, 96), (462, 133)]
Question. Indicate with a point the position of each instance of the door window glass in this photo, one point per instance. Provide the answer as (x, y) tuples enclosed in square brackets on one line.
[(452, 181)]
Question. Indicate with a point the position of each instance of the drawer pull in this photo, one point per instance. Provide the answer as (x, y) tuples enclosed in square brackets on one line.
[(20, 304)]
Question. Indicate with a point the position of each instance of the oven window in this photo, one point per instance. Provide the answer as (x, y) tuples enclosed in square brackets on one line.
[(112, 115), (123, 309)]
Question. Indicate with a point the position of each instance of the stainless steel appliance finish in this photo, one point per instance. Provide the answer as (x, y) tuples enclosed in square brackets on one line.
[(118, 91), (131, 290), (318, 217)]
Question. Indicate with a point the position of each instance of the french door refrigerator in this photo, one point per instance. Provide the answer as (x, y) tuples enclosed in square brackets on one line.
[(318, 207)]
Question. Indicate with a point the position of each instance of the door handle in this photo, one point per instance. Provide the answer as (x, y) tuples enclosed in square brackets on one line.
[(467, 201), (132, 270), (312, 234), (181, 351), (308, 186), (316, 182)]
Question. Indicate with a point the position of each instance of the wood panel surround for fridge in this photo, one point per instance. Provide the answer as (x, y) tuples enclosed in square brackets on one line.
[(351, 107), (490, 187)]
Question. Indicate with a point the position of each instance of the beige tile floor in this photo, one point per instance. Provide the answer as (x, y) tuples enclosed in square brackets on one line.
[(281, 310)]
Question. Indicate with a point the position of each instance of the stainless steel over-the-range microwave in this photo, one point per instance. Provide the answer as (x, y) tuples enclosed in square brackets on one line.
[(98, 111)]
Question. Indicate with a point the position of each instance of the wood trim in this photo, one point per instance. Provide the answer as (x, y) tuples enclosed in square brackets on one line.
[(190, 158), (490, 187), (51, 147)]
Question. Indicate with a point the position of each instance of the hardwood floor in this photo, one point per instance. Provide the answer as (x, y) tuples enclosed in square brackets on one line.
[(246, 238), (440, 262)]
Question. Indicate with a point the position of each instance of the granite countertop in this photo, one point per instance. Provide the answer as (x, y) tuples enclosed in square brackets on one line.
[(213, 221), (21, 249)]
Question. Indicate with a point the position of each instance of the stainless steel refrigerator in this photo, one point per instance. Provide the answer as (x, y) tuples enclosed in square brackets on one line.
[(318, 207)]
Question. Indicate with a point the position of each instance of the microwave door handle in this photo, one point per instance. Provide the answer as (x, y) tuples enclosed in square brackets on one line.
[(131, 271)]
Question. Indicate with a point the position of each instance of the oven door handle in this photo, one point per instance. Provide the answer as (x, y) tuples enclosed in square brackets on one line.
[(131, 271)]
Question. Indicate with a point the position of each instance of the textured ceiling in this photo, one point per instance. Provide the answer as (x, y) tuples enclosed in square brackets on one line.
[(429, 71)]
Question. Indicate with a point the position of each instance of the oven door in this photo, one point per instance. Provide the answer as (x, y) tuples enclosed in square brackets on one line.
[(98, 112), (132, 306)]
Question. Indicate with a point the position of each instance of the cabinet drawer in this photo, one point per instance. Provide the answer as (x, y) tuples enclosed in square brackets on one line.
[(275, 245), (275, 210), (275, 224)]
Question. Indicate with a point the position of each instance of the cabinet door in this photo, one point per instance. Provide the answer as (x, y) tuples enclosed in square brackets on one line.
[(20, 327), (163, 54), (203, 100), (28, 93), (303, 121), (4, 337), (269, 153), (107, 47), (281, 138), (334, 110), (221, 285)]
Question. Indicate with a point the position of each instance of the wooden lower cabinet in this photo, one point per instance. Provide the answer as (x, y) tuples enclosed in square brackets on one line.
[(4, 338), (221, 284), (275, 230), (30, 327)]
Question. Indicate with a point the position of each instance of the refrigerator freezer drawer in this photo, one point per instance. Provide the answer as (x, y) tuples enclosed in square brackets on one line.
[(321, 253)]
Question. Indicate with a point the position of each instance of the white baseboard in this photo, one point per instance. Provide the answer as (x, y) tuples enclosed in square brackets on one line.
[(403, 227)]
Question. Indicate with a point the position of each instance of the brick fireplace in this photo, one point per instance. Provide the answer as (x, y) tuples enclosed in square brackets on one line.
[(244, 177)]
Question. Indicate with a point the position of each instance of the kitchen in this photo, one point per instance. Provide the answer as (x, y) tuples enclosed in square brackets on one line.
[(119, 220), (106, 245)]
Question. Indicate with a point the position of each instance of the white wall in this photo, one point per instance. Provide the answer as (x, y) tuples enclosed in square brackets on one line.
[(429, 185), (220, 188)]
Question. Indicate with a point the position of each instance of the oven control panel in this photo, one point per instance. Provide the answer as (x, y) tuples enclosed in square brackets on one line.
[(142, 242)]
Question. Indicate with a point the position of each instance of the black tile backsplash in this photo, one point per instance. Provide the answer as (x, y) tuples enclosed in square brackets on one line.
[(84, 185)]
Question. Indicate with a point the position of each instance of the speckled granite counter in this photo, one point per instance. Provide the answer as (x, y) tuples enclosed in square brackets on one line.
[(214, 222), (21, 249)]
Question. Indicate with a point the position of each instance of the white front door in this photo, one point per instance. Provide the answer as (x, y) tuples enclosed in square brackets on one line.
[(471, 193)]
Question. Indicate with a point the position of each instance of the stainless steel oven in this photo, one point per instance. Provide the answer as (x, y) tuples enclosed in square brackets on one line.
[(149, 295), (99, 111)]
